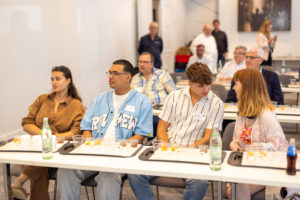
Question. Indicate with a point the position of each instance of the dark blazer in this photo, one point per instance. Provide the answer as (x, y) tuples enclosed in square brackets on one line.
[(273, 87)]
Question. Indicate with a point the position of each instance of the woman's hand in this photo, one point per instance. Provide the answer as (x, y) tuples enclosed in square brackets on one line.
[(234, 146)]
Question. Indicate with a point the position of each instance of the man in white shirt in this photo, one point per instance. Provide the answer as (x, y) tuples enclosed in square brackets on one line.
[(188, 118), (200, 56), (230, 67), (210, 44)]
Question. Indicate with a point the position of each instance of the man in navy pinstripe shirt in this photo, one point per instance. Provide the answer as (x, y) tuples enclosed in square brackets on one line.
[(188, 118)]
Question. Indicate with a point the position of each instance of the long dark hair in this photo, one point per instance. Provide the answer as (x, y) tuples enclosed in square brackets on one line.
[(72, 91)]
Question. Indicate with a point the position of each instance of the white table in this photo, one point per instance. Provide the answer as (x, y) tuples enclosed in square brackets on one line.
[(227, 87), (133, 165), (130, 165)]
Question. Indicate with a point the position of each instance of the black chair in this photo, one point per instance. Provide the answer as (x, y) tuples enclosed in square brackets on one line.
[(220, 91), (171, 183), (90, 182), (285, 79)]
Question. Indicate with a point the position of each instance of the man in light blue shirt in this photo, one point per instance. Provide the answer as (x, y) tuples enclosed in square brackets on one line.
[(122, 113)]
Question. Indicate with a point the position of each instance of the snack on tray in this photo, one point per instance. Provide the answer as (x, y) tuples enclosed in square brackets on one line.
[(250, 153), (17, 140), (262, 152), (163, 147), (98, 142)]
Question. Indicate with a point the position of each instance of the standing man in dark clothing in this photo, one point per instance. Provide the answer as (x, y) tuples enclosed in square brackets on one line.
[(153, 44), (221, 40)]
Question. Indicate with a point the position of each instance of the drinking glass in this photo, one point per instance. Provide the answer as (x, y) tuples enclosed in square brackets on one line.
[(77, 140)]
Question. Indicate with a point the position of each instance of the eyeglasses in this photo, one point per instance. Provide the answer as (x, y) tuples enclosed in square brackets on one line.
[(145, 62), (239, 53), (114, 73), (252, 57)]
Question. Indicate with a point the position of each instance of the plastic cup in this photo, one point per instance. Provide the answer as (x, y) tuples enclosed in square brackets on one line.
[(203, 148), (77, 140), (293, 81), (60, 139)]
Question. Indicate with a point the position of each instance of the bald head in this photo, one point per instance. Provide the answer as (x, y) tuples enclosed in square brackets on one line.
[(153, 28), (207, 29)]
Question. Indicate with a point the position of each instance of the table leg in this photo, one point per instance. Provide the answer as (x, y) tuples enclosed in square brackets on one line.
[(220, 195), (6, 179), (233, 191)]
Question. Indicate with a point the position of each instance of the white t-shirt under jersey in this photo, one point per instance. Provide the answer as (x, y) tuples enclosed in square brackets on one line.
[(118, 100)]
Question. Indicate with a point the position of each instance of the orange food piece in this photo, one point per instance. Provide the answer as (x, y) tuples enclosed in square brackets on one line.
[(98, 142), (163, 147), (226, 106), (282, 108), (88, 143), (250, 153), (262, 152), (174, 148)]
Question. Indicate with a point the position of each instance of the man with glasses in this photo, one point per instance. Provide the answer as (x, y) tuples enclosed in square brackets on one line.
[(122, 113), (254, 58), (156, 84), (152, 43), (188, 118), (232, 66)]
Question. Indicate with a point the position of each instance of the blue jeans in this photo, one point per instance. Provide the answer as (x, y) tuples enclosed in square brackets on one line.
[(194, 190), (69, 183)]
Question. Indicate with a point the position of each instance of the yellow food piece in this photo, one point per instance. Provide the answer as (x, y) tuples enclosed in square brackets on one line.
[(250, 153), (282, 108), (17, 140), (98, 142), (262, 152), (174, 148), (226, 106), (88, 143), (163, 147)]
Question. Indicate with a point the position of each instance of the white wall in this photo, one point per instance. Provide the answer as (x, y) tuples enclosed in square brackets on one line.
[(144, 16), (199, 13), (36, 35), (172, 27), (287, 43), (107, 33)]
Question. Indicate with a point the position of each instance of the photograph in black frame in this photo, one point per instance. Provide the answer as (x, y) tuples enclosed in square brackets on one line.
[(252, 13)]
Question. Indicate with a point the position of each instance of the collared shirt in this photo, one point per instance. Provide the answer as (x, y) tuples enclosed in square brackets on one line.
[(187, 121), (67, 117), (154, 47), (230, 68), (156, 87), (204, 60), (134, 116)]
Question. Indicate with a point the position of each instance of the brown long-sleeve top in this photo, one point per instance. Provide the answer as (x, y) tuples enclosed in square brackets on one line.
[(67, 117)]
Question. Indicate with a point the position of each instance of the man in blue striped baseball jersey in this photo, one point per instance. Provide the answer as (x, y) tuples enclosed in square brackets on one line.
[(188, 118), (121, 113)]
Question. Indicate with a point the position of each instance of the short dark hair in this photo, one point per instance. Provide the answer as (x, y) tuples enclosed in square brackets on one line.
[(199, 73), (149, 54), (126, 64), (216, 20)]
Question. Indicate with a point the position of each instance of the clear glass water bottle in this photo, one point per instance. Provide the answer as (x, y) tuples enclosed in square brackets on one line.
[(46, 136), (215, 149)]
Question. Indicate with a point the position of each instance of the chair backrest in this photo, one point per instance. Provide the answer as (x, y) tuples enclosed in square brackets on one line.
[(285, 79), (220, 91), (173, 76), (227, 136), (180, 76)]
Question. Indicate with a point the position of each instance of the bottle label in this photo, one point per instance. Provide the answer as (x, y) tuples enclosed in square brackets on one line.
[(291, 150)]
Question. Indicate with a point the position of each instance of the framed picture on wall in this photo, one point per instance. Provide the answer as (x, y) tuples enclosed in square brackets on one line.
[(252, 13)]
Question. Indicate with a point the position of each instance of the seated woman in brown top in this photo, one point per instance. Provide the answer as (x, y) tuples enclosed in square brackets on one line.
[(64, 110)]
